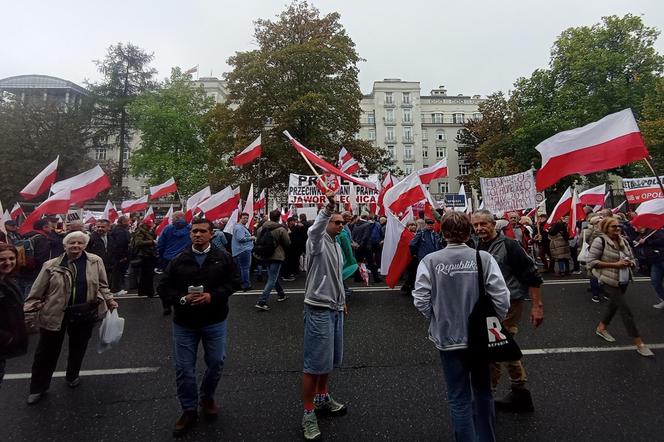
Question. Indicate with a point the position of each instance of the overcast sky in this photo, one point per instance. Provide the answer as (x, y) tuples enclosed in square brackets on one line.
[(471, 47)]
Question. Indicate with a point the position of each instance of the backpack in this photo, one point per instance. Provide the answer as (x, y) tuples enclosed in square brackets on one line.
[(266, 244), (26, 252)]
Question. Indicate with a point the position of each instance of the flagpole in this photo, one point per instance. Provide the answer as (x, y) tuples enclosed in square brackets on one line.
[(314, 171), (648, 162)]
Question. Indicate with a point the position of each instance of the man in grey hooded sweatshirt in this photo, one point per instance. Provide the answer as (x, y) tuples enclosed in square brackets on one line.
[(324, 308)]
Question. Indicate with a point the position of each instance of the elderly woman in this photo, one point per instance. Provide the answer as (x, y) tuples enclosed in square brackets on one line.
[(71, 294), (610, 258), (13, 338)]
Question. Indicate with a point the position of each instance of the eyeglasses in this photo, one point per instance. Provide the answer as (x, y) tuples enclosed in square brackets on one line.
[(430, 222), (339, 223), (199, 230), (614, 226)]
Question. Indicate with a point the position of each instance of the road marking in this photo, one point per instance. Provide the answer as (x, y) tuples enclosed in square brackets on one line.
[(546, 351), (111, 371)]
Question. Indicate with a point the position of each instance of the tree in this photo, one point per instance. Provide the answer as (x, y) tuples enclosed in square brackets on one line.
[(33, 135), (126, 73), (302, 78), (652, 124), (173, 124)]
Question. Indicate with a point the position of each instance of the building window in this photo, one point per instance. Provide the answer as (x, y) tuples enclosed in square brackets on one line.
[(390, 133), (125, 154), (406, 98), (424, 134), (443, 187), (477, 116), (440, 135), (372, 134), (100, 153), (371, 118), (457, 118), (390, 150), (425, 152), (407, 116), (441, 151), (389, 115), (408, 169), (388, 98), (463, 169), (437, 118), (408, 133), (408, 152)]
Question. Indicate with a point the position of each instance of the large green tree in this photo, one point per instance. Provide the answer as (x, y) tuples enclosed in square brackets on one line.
[(173, 123), (301, 78), (126, 73)]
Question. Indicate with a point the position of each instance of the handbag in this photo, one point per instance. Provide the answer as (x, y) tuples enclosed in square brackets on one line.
[(86, 313), (488, 340), (583, 254)]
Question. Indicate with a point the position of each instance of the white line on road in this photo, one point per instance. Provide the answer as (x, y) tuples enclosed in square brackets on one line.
[(112, 371), (546, 351)]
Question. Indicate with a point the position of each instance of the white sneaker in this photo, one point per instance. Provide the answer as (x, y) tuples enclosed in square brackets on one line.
[(644, 351), (122, 292), (659, 305)]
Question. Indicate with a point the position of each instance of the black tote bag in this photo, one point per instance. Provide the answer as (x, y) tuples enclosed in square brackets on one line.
[(488, 340)]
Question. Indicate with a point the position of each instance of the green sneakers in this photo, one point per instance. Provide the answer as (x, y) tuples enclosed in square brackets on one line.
[(310, 426), (331, 408)]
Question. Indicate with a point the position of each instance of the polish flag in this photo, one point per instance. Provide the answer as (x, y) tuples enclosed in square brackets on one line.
[(617, 209), (194, 200), (594, 196), (166, 220), (221, 204), (318, 161), (650, 214), (386, 184), (577, 214), (110, 212), (136, 205), (16, 211), (347, 163), (260, 204), (249, 154), (84, 186), (610, 142), (41, 182), (404, 194), (163, 189), (232, 220), (396, 247), (5, 217), (149, 214), (599, 206), (249, 208), (562, 208), (56, 203), (534, 211), (438, 170)]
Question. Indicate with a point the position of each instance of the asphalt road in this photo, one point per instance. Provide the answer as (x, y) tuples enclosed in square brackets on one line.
[(391, 377)]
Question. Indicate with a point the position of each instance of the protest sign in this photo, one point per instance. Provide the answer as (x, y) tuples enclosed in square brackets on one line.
[(511, 192), (302, 189), (639, 190)]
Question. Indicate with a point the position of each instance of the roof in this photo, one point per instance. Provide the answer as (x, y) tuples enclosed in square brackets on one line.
[(36, 81)]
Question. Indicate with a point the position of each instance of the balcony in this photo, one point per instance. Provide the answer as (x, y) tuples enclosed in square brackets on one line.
[(391, 140), (367, 121), (408, 104), (408, 140), (389, 104), (407, 123), (389, 121), (447, 120)]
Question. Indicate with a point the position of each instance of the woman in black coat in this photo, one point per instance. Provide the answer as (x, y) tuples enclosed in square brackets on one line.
[(13, 337)]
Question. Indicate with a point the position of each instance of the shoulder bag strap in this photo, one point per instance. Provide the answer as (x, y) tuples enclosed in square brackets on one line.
[(480, 273)]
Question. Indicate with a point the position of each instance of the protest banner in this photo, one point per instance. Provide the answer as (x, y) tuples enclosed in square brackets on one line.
[(302, 189), (511, 192), (639, 190)]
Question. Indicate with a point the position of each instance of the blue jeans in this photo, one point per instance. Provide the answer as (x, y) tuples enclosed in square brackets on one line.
[(185, 350), (469, 398), (656, 277), (563, 266), (243, 261), (595, 288), (273, 268)]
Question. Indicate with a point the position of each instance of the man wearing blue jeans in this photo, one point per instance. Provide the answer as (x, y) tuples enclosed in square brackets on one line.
[(198, 282), (242, 245), (275, 260)]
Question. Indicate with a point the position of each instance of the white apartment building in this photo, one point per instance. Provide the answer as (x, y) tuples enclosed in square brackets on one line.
[(418, 130)]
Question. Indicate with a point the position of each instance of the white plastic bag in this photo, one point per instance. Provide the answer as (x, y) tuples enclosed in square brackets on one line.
[(110, 331)]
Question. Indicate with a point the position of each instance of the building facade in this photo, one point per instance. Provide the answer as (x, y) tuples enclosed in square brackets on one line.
[(418, 130)]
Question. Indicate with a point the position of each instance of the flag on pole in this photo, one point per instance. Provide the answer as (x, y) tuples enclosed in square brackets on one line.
[(610, 142), (262, 200), (562, 208), (347, 163), (386, 184), (594, 196), (576, 209), (221, 204), (16, 211), (249, 154), (163, 189), (56, 203), (166, 220), (84, 186), (110, 212), (438, 170), (41, 182), (404, 194), (617, 209), (194, 201), (649, 214), (136, 205), (396, 254)]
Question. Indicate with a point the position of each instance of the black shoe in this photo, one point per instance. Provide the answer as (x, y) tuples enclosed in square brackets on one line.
[(74, 383), (282, 298), (518, 400), (166, 311), (262, 306), (184, 424), (209, 409)]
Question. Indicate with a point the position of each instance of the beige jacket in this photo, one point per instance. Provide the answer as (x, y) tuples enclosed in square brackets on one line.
[(52, 289), (603, 249)]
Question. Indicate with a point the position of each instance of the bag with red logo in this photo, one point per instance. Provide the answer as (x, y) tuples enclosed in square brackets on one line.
[(488, 340)]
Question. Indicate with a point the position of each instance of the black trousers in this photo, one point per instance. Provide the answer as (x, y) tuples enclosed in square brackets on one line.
[(146, 276), (48, 352), (117, 275)]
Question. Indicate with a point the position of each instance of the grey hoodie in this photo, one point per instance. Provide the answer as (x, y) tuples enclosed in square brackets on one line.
[(324, 284)]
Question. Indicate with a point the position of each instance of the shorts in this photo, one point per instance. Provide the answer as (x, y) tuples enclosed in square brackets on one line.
[(323, 339)]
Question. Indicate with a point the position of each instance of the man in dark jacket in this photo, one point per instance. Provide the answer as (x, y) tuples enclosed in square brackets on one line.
[(361, 235), (121, 238), (102, 244), (523, 280), (198, 283), (41, 253), (298, 239), (425, 241)]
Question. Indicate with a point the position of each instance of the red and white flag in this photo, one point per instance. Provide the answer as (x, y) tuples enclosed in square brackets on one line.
[(41, 182), (396, 254), (318, 161), (617, 209), (610, 142), (166, 220), (16, 211), (191, 70), (136, 205), (438, 170), (56, 203), (163, 189), (149, 214), (110, 212), (347, 163), (261, 203), (249, 208), (650, 214), (250, 153), (562, 207), (594, 196), (84, 186), (386, 184), (194, 200), (576, 214), (404, 194), (221, 204)]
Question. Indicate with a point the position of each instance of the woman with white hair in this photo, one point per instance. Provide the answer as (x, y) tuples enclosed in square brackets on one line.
[(71, 294)]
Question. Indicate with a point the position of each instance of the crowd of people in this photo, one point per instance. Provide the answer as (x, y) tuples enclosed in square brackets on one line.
[(66, 279)]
